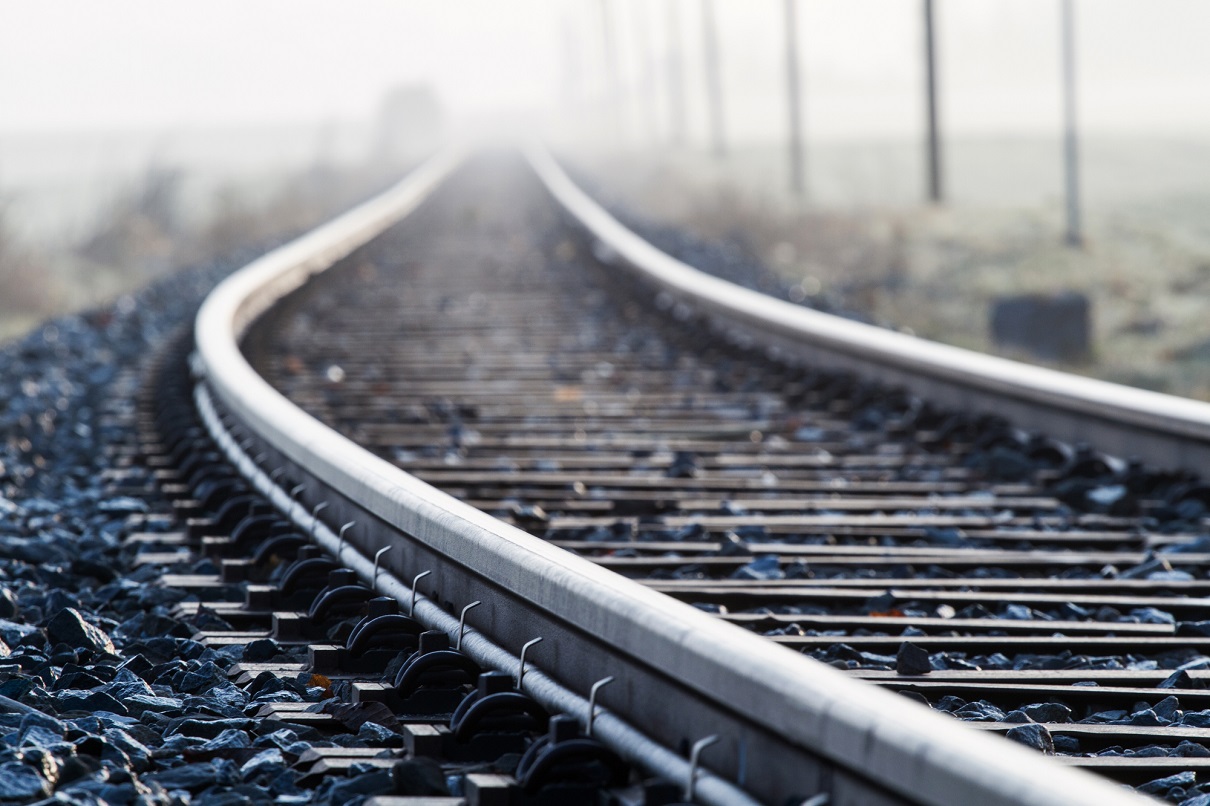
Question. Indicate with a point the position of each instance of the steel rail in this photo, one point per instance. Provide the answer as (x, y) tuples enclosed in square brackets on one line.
[(1165, 430), (615, 732), (790, 725)]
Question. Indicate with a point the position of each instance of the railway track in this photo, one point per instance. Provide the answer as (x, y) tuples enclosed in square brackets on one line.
[(680, 504)]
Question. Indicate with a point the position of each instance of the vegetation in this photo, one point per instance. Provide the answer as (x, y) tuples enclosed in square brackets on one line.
[(25, 289), (936, 271), (148, 230)]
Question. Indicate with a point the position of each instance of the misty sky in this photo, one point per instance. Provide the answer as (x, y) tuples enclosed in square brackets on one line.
[(82, 64)]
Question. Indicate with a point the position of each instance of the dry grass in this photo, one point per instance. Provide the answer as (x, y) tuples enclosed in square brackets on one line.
[(936, 271), (144, 233), (25, 286)]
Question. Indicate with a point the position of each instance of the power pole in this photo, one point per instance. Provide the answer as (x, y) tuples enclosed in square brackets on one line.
[(646, 86), (613, 103), (571, 67), (1071, 156), (930, 91), (676, 78), (714, 83), (798, 178)]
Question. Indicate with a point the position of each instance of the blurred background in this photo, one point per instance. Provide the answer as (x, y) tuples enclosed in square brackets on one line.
[(1027, 177)]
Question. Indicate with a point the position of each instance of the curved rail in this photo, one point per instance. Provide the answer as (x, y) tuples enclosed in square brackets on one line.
[(790, 725), (1162, 429)]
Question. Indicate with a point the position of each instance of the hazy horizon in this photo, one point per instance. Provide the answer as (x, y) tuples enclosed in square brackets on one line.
[(79, 65), (90, 94)]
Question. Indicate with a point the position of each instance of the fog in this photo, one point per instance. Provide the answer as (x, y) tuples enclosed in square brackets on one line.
[(90, 92), (141, 63), (171, 68), (232, 108), (75, 64)]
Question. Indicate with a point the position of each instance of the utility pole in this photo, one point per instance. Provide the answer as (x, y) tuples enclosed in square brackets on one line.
[(798, 178), (930, 91), (676, 78), (1071, 156), (571, 67), (646, 85), (714, 84), (613, 104)]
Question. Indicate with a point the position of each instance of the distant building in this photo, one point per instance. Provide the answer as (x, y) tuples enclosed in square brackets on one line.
[(410, 122)]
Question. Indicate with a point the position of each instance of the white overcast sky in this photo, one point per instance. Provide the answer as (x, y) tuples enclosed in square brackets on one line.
[(87, 64), (83, 63)]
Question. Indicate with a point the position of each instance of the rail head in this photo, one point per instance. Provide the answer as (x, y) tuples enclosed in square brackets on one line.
[(901, 748), (1164, 429)]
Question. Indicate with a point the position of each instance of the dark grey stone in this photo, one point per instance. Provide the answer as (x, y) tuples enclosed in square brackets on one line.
[(43, 721), (1144, 569), (733, 546), (69, 627), (38, 736), (1066, 744), (136, 664), (1149, 751), (345, 791), (84, 700), (1168, 708), (1147, 717), (229, 695), (872, 660), (261, 650), (205, 619), (267, 761), (78, 680), (20, 782), (238, 795), (1161, 785), (76, 767), (764, 567), (202, 678), (124, 688), (1200, 629), (137, 752), (980, 711), (141, 703), (374, 733), (12, 633), (195, 777), (914, 696), (206, 728), (229, 739), (34, 551), (1153, 615), (1033, 735), (1180, 679), (912, 660), (174, 746), (44, 761), (1188, 749), (1005, 464), (950, 703), (8, 604), (122, 505), (1016, 612), (1048, 712), (419, 777)]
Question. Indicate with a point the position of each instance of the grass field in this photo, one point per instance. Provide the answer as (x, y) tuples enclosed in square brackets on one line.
[(862, 237), (86, 217)]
